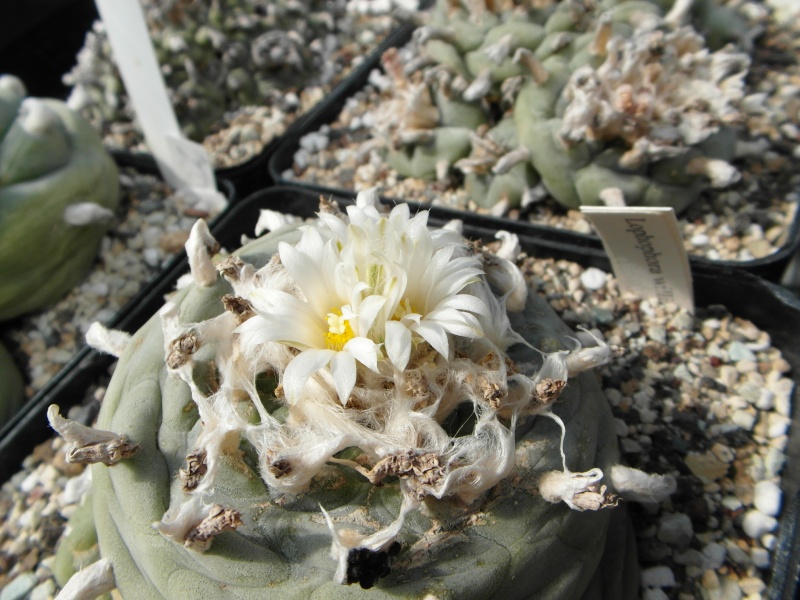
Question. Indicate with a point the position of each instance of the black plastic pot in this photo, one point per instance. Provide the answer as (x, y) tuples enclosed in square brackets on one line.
[(770, 267), (21, 433)]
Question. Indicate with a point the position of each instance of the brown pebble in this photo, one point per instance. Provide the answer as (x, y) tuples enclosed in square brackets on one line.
[(173, 241)]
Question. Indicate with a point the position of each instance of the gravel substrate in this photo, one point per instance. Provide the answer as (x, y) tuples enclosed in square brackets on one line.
[(750, 220), (204, 59), (704, 398)]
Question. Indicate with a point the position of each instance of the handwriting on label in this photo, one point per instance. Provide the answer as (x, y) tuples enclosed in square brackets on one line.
[(646, 251)]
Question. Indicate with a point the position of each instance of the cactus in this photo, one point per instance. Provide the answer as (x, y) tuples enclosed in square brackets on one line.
[(218, 56), (12, 387), (584, 96), (58, 191), (352, 403)]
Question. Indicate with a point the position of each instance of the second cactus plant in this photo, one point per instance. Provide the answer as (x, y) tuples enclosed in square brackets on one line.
[(58, 193)]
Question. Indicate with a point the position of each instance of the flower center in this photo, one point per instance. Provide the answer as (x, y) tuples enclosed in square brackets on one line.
[(339, 331), (403, 309)]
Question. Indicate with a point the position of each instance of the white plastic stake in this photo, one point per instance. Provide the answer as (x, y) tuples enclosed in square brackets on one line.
[(646, 251), (184, 164)]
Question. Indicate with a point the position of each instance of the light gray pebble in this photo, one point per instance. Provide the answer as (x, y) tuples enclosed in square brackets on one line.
[(676, 529), (654, 594), (152, 257), (19, 587), (737, 555), (760, 557), (621, 427), (658, 577), (657, 333), (744, 419), (714, 555), (691, 557), (767, 497), (738, 351), (44, 591), (731, 503), (755, 523)]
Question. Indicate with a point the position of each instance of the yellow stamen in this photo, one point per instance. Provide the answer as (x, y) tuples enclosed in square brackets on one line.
[(339, 331), (403, 309)]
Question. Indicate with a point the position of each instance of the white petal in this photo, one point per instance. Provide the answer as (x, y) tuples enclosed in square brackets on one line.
[(364, 350), (303, 366), (435, 335), (367, 312), (398, 344), (343, 369)]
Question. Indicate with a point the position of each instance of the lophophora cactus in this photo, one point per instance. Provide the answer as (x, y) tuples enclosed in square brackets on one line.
[(58, 192), (357, 400), (585, 96), (217, 56)]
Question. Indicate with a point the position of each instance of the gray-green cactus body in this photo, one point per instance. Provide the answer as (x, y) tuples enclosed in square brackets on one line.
[(600, 95), (510, 543), (58, 191), (12, 387)]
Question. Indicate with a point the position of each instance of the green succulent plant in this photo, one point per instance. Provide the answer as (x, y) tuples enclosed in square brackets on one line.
[(58, 191), (248, 480), (216, 56), (582, 97), (12, 387)]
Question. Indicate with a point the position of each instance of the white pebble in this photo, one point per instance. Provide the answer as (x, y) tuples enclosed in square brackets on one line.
[(658, 577), (756, 523), (593, 279), (744, 419), (767, 498), (700, 239), (152, 257)]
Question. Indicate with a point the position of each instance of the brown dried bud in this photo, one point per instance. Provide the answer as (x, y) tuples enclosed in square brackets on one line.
[(109, 453), (328, 206), (548, 390), (240, 307), (280, 467), (181, 348), (219, 519), (195, 469), (231, 268), (420, 470), (89, 445)]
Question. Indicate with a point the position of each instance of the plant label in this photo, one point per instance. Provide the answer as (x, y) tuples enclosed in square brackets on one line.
[(646, 251), (184, 164)]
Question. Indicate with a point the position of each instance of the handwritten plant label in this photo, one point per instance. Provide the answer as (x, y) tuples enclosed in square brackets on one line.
[(646, 251), (183, 163)]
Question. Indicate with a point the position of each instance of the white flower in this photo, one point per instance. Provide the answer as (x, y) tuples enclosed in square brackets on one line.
[(367, 292)]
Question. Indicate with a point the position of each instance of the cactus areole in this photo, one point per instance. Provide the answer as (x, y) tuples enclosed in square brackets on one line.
[(58, 192), (359, 400)]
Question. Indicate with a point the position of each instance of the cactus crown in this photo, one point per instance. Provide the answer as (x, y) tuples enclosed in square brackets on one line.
[(375, 344)]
